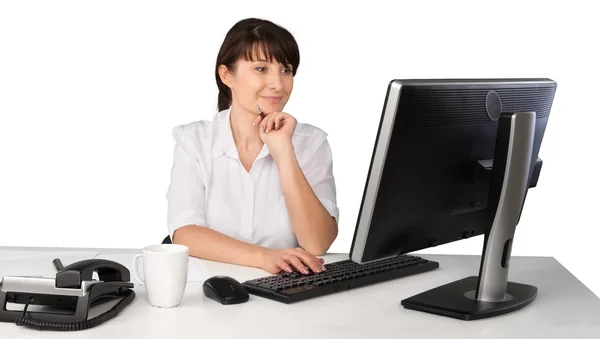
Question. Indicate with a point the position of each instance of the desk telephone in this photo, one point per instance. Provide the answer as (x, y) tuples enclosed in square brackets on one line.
[(72, 292)]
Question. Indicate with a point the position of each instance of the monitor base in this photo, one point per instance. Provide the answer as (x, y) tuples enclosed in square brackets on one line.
[(456, 300)]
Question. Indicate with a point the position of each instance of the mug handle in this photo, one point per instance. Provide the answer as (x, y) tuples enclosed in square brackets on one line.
[(135, 267)]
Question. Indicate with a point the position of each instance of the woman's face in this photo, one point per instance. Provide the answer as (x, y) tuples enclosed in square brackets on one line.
[(261, 82)]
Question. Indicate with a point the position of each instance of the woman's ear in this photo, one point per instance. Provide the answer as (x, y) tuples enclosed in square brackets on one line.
[(225, 75)]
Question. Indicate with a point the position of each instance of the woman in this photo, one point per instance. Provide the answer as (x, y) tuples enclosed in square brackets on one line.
[(249, 190)]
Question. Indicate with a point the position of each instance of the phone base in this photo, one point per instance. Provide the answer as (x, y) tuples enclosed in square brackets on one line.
[(35, 302)]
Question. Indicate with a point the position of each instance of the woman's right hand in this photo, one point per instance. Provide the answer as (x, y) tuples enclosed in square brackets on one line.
[(289, 260)]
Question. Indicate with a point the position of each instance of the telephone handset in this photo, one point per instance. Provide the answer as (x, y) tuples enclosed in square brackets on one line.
[(72, 290), (73, 275)]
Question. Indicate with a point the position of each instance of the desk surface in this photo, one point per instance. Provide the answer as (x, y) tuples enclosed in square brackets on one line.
[(564, 307)]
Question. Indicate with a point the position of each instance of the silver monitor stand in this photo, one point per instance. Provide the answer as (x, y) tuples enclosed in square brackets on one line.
[(491, 294)]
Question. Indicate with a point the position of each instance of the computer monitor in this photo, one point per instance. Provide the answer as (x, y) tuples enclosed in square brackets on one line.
[(453, 159)]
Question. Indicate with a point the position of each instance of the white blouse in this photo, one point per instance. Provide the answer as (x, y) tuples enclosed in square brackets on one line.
[(211, 188)]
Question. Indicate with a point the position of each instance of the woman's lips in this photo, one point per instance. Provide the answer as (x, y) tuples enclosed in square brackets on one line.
[(272, 99)]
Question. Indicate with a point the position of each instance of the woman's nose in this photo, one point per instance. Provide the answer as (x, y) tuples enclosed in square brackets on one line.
[(275, 82)]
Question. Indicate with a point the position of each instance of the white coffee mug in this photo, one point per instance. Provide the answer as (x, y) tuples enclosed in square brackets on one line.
[(165, 273)]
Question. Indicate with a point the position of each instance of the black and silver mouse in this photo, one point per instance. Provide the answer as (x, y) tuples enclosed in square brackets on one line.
[(225, 290)]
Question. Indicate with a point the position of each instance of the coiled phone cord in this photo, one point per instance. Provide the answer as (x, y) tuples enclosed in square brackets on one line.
[(44, 325)]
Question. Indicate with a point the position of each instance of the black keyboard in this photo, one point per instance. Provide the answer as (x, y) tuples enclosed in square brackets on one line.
[(342, 275)]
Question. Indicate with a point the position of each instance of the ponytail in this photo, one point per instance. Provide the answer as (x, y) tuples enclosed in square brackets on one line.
[(224, 98)]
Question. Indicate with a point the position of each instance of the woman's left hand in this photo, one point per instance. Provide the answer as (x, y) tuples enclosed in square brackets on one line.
[(276, 130)]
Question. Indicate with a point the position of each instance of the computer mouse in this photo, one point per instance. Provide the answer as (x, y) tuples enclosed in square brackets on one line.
[(225, 290)]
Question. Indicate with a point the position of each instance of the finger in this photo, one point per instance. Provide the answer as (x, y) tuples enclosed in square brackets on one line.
[(271, 121), (267, 123), (284, 265), (262, 125), (279, 120), (258, 119), (292, 259), (310, 260), (264, 120), (276, 120), (282, 119)]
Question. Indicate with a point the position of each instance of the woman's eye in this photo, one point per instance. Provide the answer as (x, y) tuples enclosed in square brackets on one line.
[(260, 69), (287, 71)]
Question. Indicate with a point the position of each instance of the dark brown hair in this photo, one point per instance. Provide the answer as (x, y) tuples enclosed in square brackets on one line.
[(245, 40)]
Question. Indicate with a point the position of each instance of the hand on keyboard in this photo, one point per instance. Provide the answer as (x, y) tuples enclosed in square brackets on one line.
[(290, 259), (339, 276)]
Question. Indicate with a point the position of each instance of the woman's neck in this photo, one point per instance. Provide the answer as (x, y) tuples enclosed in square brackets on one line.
[(245, 136)]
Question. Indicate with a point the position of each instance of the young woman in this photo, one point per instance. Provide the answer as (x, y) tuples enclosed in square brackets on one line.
[(248, 188)]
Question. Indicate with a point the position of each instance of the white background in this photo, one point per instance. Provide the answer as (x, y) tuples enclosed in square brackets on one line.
[(89, 92)]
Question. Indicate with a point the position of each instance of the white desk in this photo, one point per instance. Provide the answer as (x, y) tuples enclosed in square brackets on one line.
[(564, 308)]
